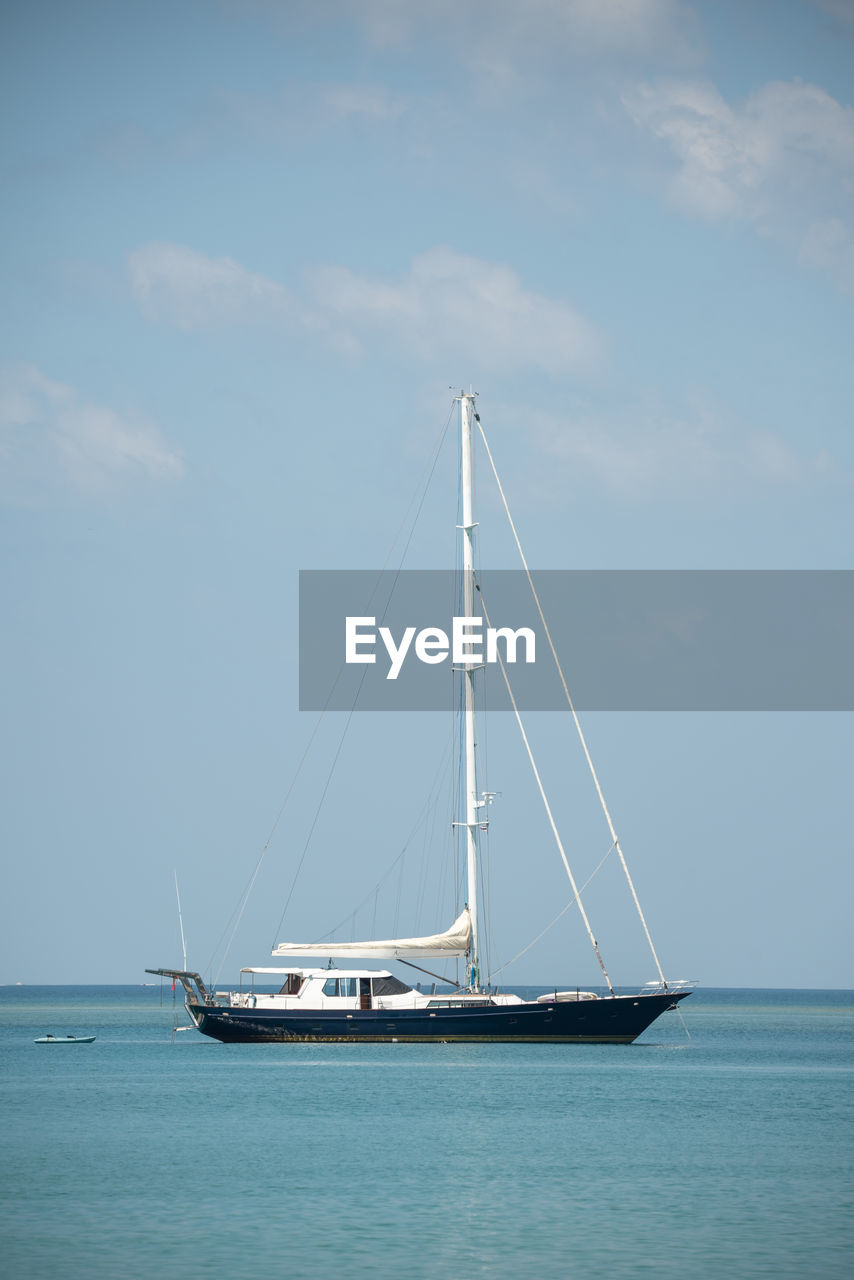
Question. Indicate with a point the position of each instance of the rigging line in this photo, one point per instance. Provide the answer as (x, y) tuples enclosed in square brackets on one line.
[(247, 892), (429, 841), (562, 912), (547, 806), (181, 922), (486, 895), (253, 877), (423, 816), (426, 485), (429, 971), (326, 786), (429, 468), (427, 835), (351, 916), (397, 899), (571, 706), (244, 900)]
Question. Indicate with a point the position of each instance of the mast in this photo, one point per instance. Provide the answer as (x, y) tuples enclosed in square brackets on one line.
[(467, 528)]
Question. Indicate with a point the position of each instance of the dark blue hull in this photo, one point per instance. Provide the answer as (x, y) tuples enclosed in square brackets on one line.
[(617, 1020)]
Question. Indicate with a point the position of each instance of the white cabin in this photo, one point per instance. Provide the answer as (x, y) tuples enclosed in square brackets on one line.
[(350, 989)]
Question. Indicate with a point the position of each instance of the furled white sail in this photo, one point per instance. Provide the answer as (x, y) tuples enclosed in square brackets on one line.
[(456, 941)]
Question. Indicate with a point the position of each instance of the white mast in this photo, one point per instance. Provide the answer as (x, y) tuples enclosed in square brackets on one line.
[(466, 400)]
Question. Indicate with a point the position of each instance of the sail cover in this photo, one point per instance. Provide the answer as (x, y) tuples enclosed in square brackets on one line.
[(455, 941)]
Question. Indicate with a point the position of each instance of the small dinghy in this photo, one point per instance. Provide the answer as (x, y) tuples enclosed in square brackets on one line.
[(64, 1040)]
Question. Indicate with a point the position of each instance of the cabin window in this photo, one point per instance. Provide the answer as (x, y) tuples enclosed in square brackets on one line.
[(291, 985), (459, 1004), (390, 987), (339, 987)]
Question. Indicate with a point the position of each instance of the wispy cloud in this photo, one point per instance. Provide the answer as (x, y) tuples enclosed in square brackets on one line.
[(369, 101), (49, 431), (297, 115), (195, 291), (665, 456), (509, 31), (452, 305), (784, 159), (829, 245), (446, 305), (842, 11)]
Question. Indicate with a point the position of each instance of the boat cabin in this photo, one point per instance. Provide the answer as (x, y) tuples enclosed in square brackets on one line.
[(324, 989), (343, 989)]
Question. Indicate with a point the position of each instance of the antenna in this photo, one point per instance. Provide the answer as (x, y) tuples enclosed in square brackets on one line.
[(181, 922)]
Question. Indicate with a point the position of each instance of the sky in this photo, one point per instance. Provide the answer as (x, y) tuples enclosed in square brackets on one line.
[(248, 248)]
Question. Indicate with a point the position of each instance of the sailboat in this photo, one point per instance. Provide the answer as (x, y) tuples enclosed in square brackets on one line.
[(358, 1004)]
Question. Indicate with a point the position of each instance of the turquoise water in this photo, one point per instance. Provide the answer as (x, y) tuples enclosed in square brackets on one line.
[(726, 1155)]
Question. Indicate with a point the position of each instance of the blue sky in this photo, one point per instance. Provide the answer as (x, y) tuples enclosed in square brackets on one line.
[(247, 248)]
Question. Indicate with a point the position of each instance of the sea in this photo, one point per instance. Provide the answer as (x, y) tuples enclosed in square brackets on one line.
[(719, 1144)]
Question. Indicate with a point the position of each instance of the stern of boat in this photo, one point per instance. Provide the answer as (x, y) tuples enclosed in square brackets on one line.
[(196, 995)]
